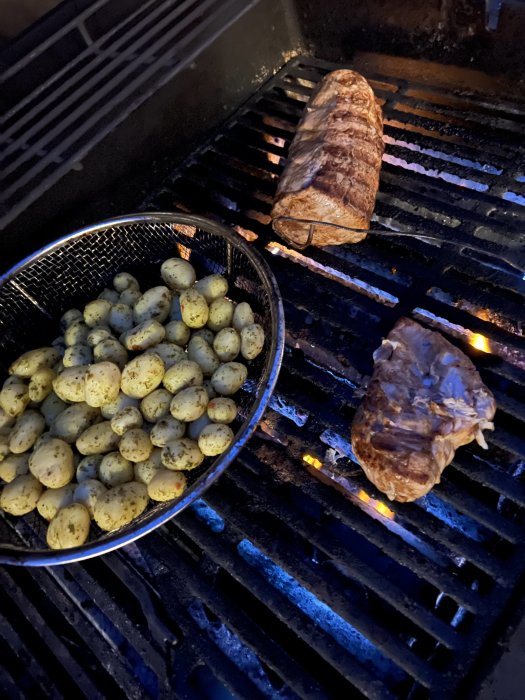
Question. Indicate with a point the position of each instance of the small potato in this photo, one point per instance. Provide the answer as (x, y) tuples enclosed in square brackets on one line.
[(200, 352), (242, 316), (123, 281), (142, 375), (109, 295), (120, 505), (28, 428), (70, 384), (69, 528), (189, 404), (215, 439), (182, 454), (102, 384), (21, 495), (98, 439), (222, 410), (41, 384), (252, 341), (227, 344), (6, 421), (145, 335), (28, 363), (221, 314), (108, 410), (212, 287), (175, 312), (177, 332), (97, 335), (146, 470), (209, 388), (153, 305), (96, 313), (52, 500), (194, 308), (12, 380), (14, 398), (182, 375), (126, 419), (121, 317), (204, 333), (87, 468), (13, 466), (115, 469), (165, 430), (169, 352), (53, 464), (88, 492), (177, 273), (51, 407), (69, 317), (135, 445), (166, 485), (156, 405), (229, 378), (195, 427), (71, 423), (110, 350), (129, 297), (79, 354), (76, 333)]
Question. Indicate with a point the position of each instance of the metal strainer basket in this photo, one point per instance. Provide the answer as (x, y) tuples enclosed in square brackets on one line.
[(73, 271)]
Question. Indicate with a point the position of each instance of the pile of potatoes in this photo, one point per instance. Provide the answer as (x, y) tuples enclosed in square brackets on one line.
[(133, 394)]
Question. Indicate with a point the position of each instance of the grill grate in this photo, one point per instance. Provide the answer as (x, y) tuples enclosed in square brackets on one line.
[(295, 578)]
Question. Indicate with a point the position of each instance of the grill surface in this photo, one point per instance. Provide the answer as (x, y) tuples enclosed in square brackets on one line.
[(295, 578)]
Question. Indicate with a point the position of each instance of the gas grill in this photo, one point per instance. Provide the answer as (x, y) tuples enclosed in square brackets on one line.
[(294, 577)]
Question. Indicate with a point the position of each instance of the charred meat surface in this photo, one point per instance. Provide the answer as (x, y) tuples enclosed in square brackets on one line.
[(332, 171), (425, 399)]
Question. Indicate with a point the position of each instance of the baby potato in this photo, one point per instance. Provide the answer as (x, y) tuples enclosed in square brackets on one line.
[(53, 464), (70, 384), (212, 287), (227, 344), (14, 399), (209, 388), (175, 312), (28, 363), (13, 466), (204, 333), (177, 273), (242, 316), (120, 505), (182, 375), (78, 354), (182, 454), (110, 350), (135, 445), (195, 427), (97, 335), (146, 470), (96, 313), (12, 380), (221, 314), (153, 305), (98, 439), (165, 430), (126, 419), (52, 500), (6, 421), (123, 281), (51, 407), (121, 317), (41, 384), (194, 308), (42, 440), (88, 492), (200, 352), (69, 317), (169, 352), (143, 374), (229, 378), (177, 332), (166, 485), (115, 469), (71, 423), (69, 528), (189, 404), (87, 468), (76, 333), (110, 409), (21, 495), (252, 341), (215, 439), (29, 426), (109, 295), (144, 335), (222, 410), (156, 405), (129, 297), (102, 384)]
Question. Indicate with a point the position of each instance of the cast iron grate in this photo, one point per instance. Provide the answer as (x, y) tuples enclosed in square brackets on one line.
[(295, 578)]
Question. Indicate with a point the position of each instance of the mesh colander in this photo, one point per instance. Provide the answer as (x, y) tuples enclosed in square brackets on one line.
[(74, 270)]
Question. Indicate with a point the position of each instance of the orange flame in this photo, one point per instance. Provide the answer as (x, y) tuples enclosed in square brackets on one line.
[(312, 461), (378, 506), (480, 342)]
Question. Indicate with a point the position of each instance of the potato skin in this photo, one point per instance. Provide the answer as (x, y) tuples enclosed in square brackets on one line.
[(120, 505), (69, 528), (98, 439), (215, 439), (52, 500), (182, 375), (21, 495), (166, 485), (229, 378), (53, 464), (102, 384), (142, 375), (183, 454), (194, 309), (252, 341), (177, 273), (28, 428), (189, 404), (135, 445), (28, 363)]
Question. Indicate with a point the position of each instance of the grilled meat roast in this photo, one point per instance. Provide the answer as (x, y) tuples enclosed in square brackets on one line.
[(425, 399), (332, 171)]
